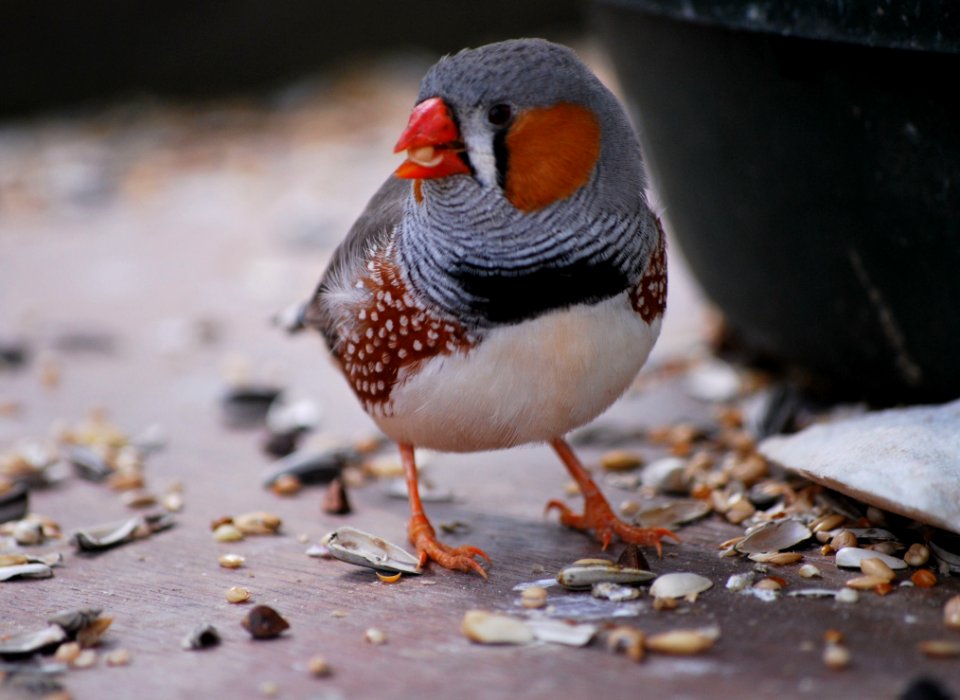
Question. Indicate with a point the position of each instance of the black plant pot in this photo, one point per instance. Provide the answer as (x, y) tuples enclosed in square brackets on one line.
[(808, 156)]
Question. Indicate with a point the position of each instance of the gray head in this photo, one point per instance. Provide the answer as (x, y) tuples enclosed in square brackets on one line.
[(529, 111)]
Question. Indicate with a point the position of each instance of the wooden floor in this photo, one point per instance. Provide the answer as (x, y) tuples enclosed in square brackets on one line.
[(145, 297)]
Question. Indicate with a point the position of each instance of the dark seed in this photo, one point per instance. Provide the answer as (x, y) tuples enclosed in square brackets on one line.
[(335, 501), (247, 406), (87, 463), (203, 636), (14, 503), (13, 353), (72, 621), (311, 467), (263, 622), (632, 558), (282, 444)]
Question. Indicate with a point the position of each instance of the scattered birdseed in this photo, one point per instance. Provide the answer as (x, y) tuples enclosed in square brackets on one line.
[(89, 635), (836, 656), (842, 539), (173, 502), (924, 578), (238, 594), (951, 613), (628, 640), (620, 460), (118, 657), (286, 485), (258, 523), (335, 500), (533, 597), (228, 533), (232, 561), (917, 555), (389, 578), (682, 642), (828, 522), (318, 666), (941, 648), (263, 622), (67, 652), (85, 659), (847, 595), (865, 583), (492, 628), (878, 568), (375, 636), (809, 571), (202, 636)]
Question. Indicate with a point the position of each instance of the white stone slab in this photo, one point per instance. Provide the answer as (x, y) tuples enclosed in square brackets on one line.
[(905, 461)]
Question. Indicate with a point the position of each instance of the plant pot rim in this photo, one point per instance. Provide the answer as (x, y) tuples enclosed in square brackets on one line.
[(923, 25)]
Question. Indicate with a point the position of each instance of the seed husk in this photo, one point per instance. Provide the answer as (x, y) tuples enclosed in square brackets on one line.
[(941, 648), (874, 566), (582, 574), (203, 636), (89, 635), (768, 584), (228, 533), (628, 640), (917, 555), (311, 466), (389, 578), (775, 536), (490, 628), (951, 613), (851, 558), (679, 585), (375, 636), (681, 642), (847, 595), (809, 571), (173, 501), (924, 578), (533, 597), (231, 561), (100, 537), (263, 622), (238, 594), (614, 591), (562, 632), (29, 570), (363, 549)]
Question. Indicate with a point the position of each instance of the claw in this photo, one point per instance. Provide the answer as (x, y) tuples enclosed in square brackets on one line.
[(597, 514), (462, 558)]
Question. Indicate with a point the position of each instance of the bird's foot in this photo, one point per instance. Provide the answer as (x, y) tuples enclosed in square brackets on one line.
[(424, 538), (599, 517)]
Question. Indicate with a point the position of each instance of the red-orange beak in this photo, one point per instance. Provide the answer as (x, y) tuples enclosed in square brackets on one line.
[(432, 142)]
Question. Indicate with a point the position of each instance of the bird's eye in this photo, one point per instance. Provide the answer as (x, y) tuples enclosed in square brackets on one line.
[(499, 114)]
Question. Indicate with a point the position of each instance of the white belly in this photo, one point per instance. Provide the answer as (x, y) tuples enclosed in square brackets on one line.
[(529, 382)]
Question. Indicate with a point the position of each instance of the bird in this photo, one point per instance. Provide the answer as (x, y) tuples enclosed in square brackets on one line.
[(507, 282)]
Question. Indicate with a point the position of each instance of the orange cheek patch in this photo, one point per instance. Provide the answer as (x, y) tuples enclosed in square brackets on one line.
[(551, 154)]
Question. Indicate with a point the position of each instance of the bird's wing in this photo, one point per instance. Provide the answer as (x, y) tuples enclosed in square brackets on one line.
[(369, 232)]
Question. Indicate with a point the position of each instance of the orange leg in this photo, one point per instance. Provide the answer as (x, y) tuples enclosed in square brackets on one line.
[(597, 514), (422, 534)]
